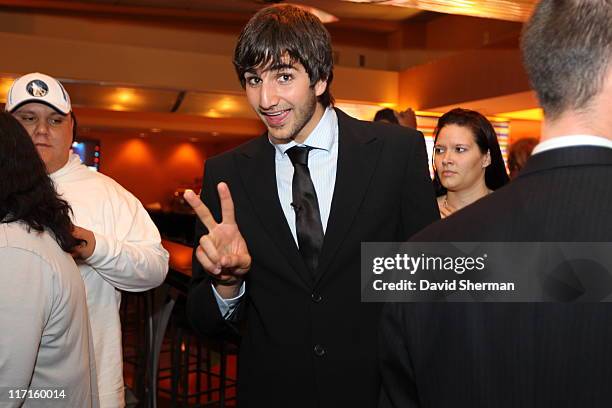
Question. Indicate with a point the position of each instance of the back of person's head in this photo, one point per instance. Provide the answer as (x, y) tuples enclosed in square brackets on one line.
[(26, 192), (386, 115), (567, 51), (518, 153), (283, 34), (486, 139)]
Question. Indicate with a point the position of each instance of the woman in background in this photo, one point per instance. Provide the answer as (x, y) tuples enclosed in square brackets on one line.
[(518, 154), (45, 342), (467, 160)]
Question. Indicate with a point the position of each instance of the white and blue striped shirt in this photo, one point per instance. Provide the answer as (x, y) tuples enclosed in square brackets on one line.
[(322, 164)]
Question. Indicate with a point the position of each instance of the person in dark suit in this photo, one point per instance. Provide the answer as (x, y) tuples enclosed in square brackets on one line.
[(281, 252), (526, 354)]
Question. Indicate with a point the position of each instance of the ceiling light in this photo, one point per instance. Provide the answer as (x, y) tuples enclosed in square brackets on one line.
[(227, 104), (5, 85), (125, 95), (517, 10), (213, 113), (527, 114)]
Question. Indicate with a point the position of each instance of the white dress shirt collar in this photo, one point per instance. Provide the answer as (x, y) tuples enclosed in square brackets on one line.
[(322, 137), (571, 141)]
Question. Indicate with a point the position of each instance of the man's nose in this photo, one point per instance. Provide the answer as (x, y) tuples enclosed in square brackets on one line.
[(42, 128), (269, 96)]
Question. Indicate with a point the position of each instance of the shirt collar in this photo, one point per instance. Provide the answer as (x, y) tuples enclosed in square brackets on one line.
[(570, 141), (322, 137), (73, 161)]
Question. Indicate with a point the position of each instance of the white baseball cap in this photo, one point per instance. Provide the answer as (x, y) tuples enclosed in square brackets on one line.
[(40, 88)]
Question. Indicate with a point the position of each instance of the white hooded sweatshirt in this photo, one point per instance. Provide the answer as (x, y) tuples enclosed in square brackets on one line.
[(128, 256)]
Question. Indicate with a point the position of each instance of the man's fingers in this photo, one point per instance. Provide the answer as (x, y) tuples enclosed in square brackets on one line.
[(238, 262), (200, 209), (210, 249), (227, 204), (206, 263)]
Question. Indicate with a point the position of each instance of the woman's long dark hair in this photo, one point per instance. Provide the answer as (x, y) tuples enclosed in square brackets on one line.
[(26, 191), (486, 139)]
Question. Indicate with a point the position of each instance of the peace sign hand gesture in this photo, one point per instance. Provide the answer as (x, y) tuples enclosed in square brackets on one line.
[(222, 252)]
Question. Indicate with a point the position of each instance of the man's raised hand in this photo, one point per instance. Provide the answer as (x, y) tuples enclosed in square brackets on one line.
[(222, 252)]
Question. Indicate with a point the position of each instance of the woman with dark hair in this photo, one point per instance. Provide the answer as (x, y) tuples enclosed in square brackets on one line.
[(45, 343), (467, 160)]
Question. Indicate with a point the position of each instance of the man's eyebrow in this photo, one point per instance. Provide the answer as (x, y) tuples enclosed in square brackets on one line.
[(281, 66), (273, 67)]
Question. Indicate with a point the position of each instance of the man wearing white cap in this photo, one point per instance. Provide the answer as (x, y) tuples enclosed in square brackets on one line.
[(123, 250)]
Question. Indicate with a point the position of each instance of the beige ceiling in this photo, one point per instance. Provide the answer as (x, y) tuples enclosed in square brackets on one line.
[(210, 106), (339, 8)]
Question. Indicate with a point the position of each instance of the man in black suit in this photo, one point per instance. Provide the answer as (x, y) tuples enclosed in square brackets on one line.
[(282, 252), (526, 354)]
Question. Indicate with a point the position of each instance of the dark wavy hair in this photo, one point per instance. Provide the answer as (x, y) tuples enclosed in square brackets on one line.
[(26, 191), (276, 31), (486, 139)]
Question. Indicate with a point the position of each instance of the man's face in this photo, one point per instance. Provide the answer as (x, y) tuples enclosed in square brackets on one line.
[(50, 131), (285, 101)]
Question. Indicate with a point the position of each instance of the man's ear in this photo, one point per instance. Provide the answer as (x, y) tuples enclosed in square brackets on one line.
[(320, 87)]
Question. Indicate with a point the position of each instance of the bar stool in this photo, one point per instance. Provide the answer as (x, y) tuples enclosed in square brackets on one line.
[(198, 371)]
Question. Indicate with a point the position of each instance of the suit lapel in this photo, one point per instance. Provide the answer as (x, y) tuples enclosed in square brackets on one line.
[(358, 154), (258, 173)]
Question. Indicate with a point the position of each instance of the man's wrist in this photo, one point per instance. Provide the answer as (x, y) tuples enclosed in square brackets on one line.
[(227, 289), (226, 282)]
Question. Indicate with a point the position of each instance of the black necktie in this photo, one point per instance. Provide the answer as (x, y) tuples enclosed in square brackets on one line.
[(307, 216)]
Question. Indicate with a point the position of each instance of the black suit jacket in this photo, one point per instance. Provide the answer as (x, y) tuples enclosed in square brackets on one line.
[(311, 342), (509, 354)]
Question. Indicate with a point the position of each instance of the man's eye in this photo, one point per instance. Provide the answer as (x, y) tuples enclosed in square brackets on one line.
[(253, 81), (285, 77), (27, 119), (438, 150), (460, 149), (56, 122)]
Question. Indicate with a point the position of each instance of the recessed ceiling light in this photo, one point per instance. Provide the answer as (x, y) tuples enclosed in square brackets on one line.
[(125, 95), (215, 133), (155, 130)]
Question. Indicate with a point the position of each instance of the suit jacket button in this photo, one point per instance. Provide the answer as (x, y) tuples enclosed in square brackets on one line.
[(319, 350), (316, 297)]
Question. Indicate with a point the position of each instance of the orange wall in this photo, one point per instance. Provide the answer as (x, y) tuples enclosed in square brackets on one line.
[(152, 168), (520, 129)]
